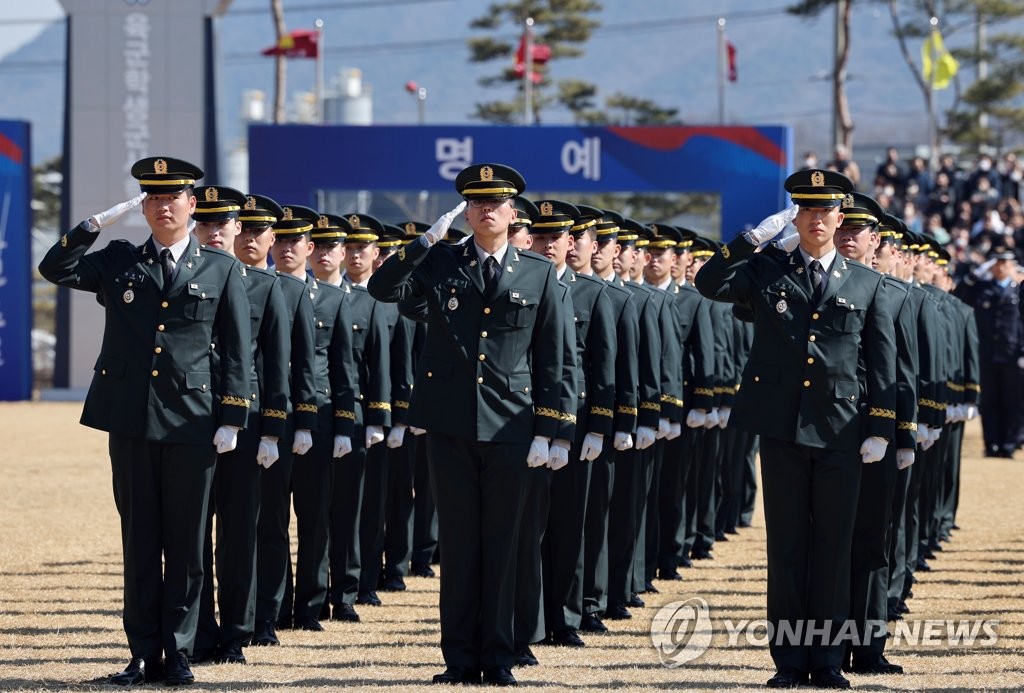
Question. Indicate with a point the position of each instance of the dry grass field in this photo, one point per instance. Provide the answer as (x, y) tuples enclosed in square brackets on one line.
[(60, 582)]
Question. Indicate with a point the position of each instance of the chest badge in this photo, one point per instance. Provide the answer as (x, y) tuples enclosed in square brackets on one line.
[(128, 296), (781, 306), (453, 303)]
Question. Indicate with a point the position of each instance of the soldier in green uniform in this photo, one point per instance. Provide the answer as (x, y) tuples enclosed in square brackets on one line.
[(815, 316), (165, 302), (237, 480), (494, 357)]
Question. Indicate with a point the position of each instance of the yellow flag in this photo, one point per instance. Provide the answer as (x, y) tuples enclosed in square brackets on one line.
[(935, 56)]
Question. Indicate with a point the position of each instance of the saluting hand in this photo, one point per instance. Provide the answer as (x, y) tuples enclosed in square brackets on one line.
[(440, 227), (267, 453), (770, 227), (226, 438), (109, 216)]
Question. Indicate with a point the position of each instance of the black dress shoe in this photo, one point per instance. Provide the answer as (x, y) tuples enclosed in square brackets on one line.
[(265, 634), (138, 672), (701, 555), (393, 584), (499, 676), (567, 637), (368, 598), (787, 677), (345, 612), (731, 530), (422, 570), (649, 588), (177, 671), (635, 601), (230, 653), (592, 624), (617, 612), (923, 565), (310, 624), (457, 675), (928, 555), (685, 562), (525, 656), (874, 664), (893, 615), (720, 536), (669, 575), (203, 655), (828, 677), (903, 608), (284, 622)]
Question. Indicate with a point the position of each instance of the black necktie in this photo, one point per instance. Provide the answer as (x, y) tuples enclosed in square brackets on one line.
[(817, 280), (490, 275), (168, 265)]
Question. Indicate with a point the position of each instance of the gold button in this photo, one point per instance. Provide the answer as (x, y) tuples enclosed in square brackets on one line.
[(811, 338), (160, 327), (204, 386), (453, 291), (757, 378), (480, 380), (487, 311), (156, 373), (254, 395), (815, 316), (213, 346), (164, 304), (103, 372), (807, 383), (430, 374), (484, 334), (157, 350), (810, 359), (482, 357)]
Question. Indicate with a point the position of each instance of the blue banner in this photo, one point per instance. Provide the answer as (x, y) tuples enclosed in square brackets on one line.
[(745, 166), (15, 261)]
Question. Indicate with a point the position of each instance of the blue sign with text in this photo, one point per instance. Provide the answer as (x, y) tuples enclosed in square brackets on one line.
[(15, 261)]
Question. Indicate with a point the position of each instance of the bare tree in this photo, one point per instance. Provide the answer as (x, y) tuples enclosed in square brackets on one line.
[(277, 7)]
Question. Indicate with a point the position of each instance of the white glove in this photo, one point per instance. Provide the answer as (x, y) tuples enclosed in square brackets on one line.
[(960, 411), (374, 435), (1020, 362), (538, 456), (593, 443), (226, 438), (417, 431), (984, 270), (696, 417), (675, 430), (303, 441), (342, 446), (440, 228), (711, 420), (558, 454), (971, 412), (788, 243), (723, 416), (923, 434), (770, 226), (396, 436), (949, 414), (904, 458), (267, 454), (623, 440), (873, 449), (664, 426), (108, 217), (935, 433), (644, 437), (927, 442)]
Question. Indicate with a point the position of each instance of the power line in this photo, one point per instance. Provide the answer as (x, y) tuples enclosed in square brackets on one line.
[(353, 5)]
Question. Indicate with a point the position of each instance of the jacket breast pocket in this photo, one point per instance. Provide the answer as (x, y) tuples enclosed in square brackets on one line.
[(201, 301), (848, 317), (451, 294), (522, 307)]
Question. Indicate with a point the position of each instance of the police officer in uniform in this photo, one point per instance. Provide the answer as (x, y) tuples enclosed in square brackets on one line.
[(166, 302), (815, 315), (493, 356)]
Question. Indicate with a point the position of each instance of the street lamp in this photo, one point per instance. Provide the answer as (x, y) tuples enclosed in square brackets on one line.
[(420, 94)]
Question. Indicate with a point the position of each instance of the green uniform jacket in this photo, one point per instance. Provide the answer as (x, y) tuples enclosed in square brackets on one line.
[(491, 367), (569, 387), (403, 357), (153, 377), (271, 331), (801, 383), (595, 350), (303, 352), (371, 355), (902, 308), (334, 367), (627, 344), (696, 335), (649, 357)]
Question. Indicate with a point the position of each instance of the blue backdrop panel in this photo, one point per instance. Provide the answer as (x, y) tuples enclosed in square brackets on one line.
[(746, 166), (15, 261)]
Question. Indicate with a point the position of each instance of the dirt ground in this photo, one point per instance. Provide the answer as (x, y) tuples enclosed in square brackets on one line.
[(60, 595)]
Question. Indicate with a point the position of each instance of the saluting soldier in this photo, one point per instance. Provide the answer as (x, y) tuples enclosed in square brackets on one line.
[(165, 302), (237, 479), (815, 315), (493, 354)]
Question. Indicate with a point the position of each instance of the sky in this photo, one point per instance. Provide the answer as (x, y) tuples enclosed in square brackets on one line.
[(20, 22)]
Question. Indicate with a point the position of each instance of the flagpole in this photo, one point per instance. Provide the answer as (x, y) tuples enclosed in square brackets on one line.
[(319, 88), (933, 155), (528, 74), (721, 70)]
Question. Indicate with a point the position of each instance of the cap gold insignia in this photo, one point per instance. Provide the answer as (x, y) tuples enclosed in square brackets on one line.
[(486, 173), (287, 213), (817, 179), (323, 222), (159, 166), (250, 202), (547, 209), (211, 194), (410, 228), (848, 201), (354, 220)]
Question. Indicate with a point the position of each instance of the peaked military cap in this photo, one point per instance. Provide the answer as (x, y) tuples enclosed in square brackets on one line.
[(587, 219), (489, 180), (860, 210), (630, 232), (217, 203), (704, 247), (412, 230), (330, 229), (686, 239), (818, 188), (526, 212), (664, 236), (259, 210), (892, 230), (391, 237), (365, 229), (608, 226), (162, 174), (454, 235), (295, 220), (555, 216)]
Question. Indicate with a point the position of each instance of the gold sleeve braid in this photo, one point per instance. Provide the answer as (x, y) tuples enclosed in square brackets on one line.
[(308, 408), (344, 414), (602, 411), (231, 400), (275, 414), (883, 413)]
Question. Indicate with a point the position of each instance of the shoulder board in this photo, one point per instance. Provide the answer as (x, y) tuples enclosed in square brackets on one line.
[(588, 278), (892, 281), (329, 287), (291, 277), (215, 251), (529, 254), (258, 271)]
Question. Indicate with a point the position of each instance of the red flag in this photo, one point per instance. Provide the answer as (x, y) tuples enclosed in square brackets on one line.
[(730, 52), (301, 43), (540, 52)]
